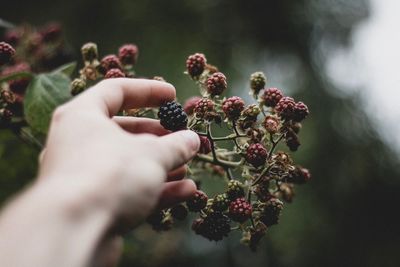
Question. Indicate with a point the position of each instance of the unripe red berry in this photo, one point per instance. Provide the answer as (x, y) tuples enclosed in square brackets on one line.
[(197, 202), (18, 85), (205, 145), (300, 112), (271, 96), (285, 108), (7, 52), (128, 54), (232, 107), (190, 104), (195, 64), (240, 210), (216, 84), (204, 108), (109, 62), (256, 154), (114, 73)]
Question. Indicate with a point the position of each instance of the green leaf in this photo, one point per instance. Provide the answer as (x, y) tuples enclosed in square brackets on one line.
[(66, 69), (15, 76), (44, 94)]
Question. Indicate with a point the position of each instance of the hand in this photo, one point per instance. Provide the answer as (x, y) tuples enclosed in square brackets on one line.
[(107, 170)]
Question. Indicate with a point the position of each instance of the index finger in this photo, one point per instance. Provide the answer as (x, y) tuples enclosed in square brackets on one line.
[(111, 95)]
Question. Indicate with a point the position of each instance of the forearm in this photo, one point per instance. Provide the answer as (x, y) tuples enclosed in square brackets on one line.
[(43, 227)]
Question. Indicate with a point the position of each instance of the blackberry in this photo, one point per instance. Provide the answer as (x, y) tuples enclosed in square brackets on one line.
[(7, 52), (271, 124), (220, 202), (271, 96), (257, 82), (285, 108), (256, 154), (271, 212), (240, 210), (232, 107), (204, 108), (216, 83), (197, 202), (195, 64), (215, 226), (114, 73), (300, 112), (205, 145), (172, 117), (189, 105), (179, 212), (235, 189), (128, 54), (109, 62)]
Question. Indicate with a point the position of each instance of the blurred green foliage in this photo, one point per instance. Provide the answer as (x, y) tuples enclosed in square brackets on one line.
[(346, 216)]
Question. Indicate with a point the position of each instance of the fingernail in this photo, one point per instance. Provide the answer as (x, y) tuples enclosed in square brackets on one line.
[(192, 139)]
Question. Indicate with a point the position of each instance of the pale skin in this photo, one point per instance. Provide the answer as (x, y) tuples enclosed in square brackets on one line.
[(99, 176)]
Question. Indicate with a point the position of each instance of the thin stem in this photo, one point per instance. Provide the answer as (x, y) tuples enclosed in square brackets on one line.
[(274, 144), (229, 173), (222, 163)]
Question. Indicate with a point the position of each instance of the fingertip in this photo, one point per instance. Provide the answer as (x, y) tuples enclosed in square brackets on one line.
[(191, 138)]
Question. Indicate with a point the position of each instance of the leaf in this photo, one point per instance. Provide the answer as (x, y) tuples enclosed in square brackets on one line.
[(66, 69), (15, 76), (44, 94)]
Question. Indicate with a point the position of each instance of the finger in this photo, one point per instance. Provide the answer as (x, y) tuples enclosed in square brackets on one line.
[(140, 125), (112, 95), (177, 148), (176, 192), (177, 174)]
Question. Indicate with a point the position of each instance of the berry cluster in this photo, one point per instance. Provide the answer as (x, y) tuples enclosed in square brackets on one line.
[(260, 178), (108, 67)]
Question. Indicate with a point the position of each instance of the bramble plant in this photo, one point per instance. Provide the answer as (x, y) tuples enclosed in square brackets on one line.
[(259, 178)]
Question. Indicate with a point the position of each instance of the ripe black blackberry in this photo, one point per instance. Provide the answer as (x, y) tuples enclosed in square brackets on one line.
[(271, 212), (172, 117), (215, 226), (197, 202), (216, 84), (179, 212)]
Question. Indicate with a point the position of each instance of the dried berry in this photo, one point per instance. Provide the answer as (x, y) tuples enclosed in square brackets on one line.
[(89, 52), (257, 82)]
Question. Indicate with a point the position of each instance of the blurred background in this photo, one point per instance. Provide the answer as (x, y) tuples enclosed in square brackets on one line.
[(338, 56)]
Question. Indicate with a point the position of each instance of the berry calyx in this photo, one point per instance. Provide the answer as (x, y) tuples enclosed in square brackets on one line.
[(114, 73), (197, 202), (256, 154), (195, 64), (172, 117), (271, 96), (240, 210), (128, 54), (257, 82), (233, 107), (7, 52), (285, 108), (216, 84)]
